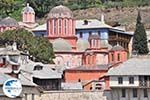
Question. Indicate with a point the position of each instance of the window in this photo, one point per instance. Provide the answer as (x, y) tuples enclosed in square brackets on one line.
[(145, 93), (90, 33), (32, 96), (65, 26), (118, 56), (59, 26), (120, 80), (99, 33), (38, 67), (14, 67), (79, 80), (134, 93), (112, 55), (131, 80), (25, 96), (81, 35), (55, 26), (123, 93)]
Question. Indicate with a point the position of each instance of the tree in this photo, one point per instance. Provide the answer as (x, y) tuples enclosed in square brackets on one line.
[(42, 7), (7, 7), (140, 38), (38, 47)]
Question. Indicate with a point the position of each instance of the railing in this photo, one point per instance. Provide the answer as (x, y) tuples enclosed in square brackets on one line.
[(144, 84)]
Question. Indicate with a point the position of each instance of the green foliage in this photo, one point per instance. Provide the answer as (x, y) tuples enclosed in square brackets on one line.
[(42, 7), (140, 38), (38, 47), (7, 7)]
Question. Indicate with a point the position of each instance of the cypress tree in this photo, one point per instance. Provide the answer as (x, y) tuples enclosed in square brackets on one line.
[(140, 38)]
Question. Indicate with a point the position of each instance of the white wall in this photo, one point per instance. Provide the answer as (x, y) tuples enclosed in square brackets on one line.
[(114, 81)]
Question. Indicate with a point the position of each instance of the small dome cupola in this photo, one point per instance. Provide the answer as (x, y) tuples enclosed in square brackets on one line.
[(28, 9), (9, 22), (60, 12), (117, 48), (28, 14)]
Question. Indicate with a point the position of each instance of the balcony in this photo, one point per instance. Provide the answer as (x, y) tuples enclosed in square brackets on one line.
[(144, 82)]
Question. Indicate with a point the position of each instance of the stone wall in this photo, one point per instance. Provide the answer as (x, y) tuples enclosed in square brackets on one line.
[(70, 95)]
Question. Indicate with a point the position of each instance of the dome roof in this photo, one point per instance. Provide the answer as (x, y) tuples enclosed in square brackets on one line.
[(61, 45), (117, 48), (95, 36), (104, 44), (60, 11), (82, 45), (28, 9), (8, 21)]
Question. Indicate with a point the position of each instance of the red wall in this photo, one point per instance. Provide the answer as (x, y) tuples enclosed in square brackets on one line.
[(74, 76)]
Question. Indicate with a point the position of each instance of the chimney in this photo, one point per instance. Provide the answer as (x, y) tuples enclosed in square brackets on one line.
[(85, 22), (102, 18)]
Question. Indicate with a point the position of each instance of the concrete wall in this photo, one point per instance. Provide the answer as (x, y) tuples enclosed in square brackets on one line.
[(114, 82), (78, 95)]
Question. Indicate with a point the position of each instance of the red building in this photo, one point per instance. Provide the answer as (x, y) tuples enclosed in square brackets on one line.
[(80, 60)]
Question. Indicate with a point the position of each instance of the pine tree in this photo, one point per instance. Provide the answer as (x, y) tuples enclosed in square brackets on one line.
[(140, 38)]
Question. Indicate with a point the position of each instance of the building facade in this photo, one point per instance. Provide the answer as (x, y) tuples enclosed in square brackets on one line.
[(130, 80)]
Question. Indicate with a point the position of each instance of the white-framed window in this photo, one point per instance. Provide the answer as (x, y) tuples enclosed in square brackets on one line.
[(120, 80), (131, 80)]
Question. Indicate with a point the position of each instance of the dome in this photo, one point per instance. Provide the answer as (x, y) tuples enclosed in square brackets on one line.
[(95, 36), (60, 11), (104, 44), (8, 21), (61, 45), (82, 45), (28, 9), (117, 48)]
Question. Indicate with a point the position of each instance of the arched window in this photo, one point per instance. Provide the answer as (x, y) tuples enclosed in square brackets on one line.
[(65, 26), (60, 26), (54, 26), (119, 58)]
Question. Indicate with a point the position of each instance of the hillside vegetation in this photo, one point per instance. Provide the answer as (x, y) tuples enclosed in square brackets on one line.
[(120, 11)]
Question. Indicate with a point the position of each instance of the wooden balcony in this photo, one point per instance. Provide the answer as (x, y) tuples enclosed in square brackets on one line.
[(144, 82)]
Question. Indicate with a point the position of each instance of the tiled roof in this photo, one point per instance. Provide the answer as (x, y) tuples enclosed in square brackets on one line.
[(133, 66), (25, 82), (61, 45), (82, 44), (92, 23), (117, 48), (9, 51), (91, 68), (8, 21), (42, 27), (45, 73), (60, 11)]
